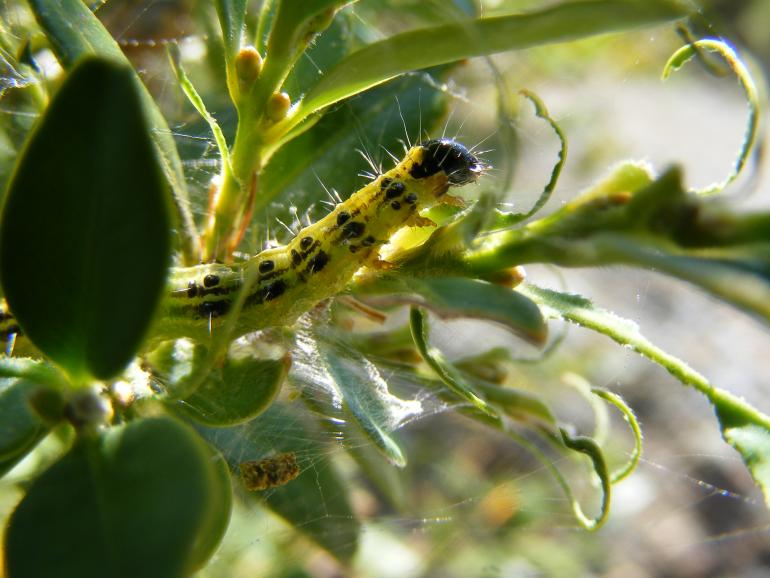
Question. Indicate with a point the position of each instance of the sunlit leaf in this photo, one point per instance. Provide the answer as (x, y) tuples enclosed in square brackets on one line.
[(292, 29), (361, 387), (743, 427), (686, 53), (426, 47)]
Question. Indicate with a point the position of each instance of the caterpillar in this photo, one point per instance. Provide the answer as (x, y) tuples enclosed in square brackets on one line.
[(318, 263)]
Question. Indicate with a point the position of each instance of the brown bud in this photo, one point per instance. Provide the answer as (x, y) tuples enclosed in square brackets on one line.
[(248, 64), (277, 106)]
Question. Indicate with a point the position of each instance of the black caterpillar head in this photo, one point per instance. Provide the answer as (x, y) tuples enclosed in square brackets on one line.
[(457, 162)]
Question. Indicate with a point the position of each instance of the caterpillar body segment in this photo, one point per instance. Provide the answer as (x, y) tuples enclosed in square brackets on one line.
[(319, 262)]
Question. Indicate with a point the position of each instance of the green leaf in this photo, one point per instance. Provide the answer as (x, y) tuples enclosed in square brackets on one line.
[(74, 32), (633, 424), (237, 392), (447, 372), (517, 404), (232, 14), (743, 427), (86, 290), (20, 427), (426, 47), (630, 220), (195, 99), (453, 297), (33, 370), (324, 52), (217, 519), (587, 446), (293, 27), (316, 503), (687, 52), (128, 503), (358, 383), (234, 391)]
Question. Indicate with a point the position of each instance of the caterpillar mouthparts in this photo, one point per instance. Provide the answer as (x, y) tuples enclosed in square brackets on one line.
[(283, 283)]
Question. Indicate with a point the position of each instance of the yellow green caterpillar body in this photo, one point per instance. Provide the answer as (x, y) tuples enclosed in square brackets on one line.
[(285, 282)]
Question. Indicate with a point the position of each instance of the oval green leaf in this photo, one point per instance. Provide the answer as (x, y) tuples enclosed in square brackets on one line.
[(238, 392), (217, 518), (128, 503), (84, 237)]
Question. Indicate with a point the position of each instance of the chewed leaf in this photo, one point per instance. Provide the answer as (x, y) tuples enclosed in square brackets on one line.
[(743, 427), (683, 55), (455, 297), (354, 381)]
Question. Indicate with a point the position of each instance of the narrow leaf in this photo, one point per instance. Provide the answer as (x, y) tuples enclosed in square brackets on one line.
[(587, 446), (293, 27), (128, 503), (232, 14), (630, 417), (102, 202), (454, 297), (426, 47), (683, 55), (351, 380), (743, 427), (447, 372)]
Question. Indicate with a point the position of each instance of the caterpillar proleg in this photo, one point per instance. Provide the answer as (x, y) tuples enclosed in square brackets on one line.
[(319, 261)]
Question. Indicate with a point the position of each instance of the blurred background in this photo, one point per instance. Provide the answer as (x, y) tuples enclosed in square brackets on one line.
[(472, 503)]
